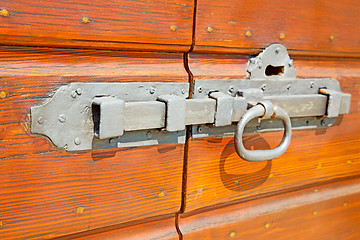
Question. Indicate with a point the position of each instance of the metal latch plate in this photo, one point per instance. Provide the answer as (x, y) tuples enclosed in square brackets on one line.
[(67, 117)]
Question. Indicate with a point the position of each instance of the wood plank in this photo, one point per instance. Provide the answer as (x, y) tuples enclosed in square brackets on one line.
[(30, 76), (327, 212), (217, 175), (306, 27), (47, 192), (162, 230), (115, 24)]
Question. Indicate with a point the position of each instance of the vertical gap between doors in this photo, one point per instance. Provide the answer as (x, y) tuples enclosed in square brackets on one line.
[(188, 128)]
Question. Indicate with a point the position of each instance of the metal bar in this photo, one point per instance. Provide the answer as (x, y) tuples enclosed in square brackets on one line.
[(200, 111), (301, 105), (144, 115)]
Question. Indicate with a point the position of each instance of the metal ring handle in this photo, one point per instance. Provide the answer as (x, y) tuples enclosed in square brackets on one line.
[(268, 154)]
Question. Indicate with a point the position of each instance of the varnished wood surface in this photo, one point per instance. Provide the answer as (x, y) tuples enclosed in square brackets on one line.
[(323, 213), (162, 230), (217, 175), (307, 27), (46, 192), (164, 25)]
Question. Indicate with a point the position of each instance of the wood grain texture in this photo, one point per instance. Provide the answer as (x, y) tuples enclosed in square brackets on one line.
[(164, 25), (217, 175), (162, 230), (47, 192), (308, 27), (327, 212)]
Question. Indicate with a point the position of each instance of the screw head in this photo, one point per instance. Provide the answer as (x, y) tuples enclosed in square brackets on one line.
[(263, 87), (79, 91), (322, 122), (231, 89), (4, 13), (148, 134), (290, 63), (112, 141), (199, 129), (73, 94), (40, 120), (312, 85), (77, 141), (183, 91), (288, 87), (199, 89), (62, 118), (277, 50), (152, 90)]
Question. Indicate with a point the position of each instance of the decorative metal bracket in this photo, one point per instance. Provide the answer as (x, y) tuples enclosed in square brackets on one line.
[(83, 116)]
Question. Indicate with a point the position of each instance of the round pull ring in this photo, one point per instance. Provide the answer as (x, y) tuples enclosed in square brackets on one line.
[(263, 109)]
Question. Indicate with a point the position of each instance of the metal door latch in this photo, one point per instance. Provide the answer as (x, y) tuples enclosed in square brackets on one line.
[(83, 116)]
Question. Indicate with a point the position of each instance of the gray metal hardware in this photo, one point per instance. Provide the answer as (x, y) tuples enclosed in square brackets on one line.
[(263, 109), (83, 116)]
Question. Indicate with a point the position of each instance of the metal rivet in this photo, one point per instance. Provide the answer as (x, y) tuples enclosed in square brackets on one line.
[(288, 87), (73, 94), (322, 122), (173, 28), (209, 29), (112, 141), (331, 37), (148, 134), (162, 194), (199, 89), (248, 33), (315, 213), (260, 64), (79, 210), (263, 87), (152, 90), (232, 234), (267, 225), (199, 129), (290, 63), (62, 118), (183, 91), (79, 91), (345, 204), (282, 35), (4, 12), (277, 50), (40, 120), (2, 94), (231, 89), (312, 85), (85, 19), (77, 141)]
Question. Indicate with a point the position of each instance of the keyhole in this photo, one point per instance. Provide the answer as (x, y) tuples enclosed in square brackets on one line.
[(274, 71)]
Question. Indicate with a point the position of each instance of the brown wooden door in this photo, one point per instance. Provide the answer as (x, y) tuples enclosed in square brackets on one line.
[(198, 190)]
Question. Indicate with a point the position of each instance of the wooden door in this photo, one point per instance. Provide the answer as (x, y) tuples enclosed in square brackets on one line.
[(198, 190)]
